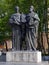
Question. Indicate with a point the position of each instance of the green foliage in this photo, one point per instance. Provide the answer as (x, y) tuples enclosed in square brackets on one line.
[(48, 3)]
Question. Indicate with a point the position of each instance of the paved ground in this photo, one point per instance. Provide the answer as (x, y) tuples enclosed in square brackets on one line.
[(20, 63), (3, 58)]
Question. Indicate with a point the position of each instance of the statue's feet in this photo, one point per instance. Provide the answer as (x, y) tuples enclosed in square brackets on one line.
[(13, 49)]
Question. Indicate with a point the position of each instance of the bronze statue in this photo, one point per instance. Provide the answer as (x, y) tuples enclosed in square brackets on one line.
[(15, 22), (25, 28), (33, 23)]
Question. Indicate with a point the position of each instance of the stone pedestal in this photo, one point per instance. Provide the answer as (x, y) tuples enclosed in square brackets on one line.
[(23, 56)]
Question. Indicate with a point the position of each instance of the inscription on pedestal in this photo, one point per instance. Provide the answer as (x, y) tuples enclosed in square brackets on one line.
[(23, 56)]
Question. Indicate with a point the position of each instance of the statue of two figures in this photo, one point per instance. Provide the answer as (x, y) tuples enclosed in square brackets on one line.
[(25, 29)]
